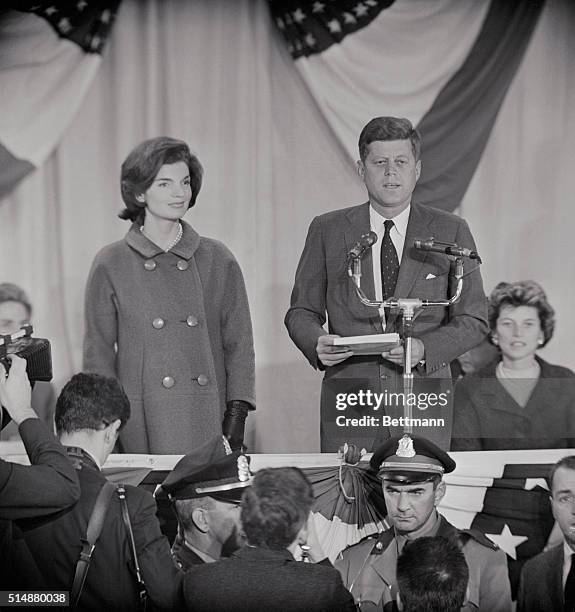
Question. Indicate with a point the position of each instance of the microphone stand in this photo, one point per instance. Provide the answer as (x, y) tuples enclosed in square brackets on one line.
[(410, 308)]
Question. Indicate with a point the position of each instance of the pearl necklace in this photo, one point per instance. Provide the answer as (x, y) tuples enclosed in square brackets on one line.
[(174, 241)]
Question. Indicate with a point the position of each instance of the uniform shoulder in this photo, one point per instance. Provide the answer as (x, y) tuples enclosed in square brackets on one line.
[(474, 535), (377, 542)]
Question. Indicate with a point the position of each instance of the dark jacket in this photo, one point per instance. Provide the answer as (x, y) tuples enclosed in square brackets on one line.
[(47, 486), (322, 287), (184, 558), (262, 580), (111, 582), (541, 583), (486, 417), (182, 326)]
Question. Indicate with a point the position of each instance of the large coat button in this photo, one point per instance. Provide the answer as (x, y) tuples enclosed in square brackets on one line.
[(203, 380), (192, 321), (158, 323), (150, 264), (182, 264), (168, 382)]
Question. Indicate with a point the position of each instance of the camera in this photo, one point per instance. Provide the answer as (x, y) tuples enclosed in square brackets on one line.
[(36, 352)]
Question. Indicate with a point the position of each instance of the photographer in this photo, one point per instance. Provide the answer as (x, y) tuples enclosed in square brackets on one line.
[(47, 486), (16, 311)]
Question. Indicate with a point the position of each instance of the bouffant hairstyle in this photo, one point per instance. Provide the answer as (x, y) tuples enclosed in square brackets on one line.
[(275, 507), (389, 128), (142, 165), (522, 293)]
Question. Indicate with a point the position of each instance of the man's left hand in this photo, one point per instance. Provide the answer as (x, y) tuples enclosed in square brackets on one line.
[(395, 355)]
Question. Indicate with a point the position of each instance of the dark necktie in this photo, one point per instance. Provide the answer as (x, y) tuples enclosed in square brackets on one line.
[(569, 604), (389, 262)]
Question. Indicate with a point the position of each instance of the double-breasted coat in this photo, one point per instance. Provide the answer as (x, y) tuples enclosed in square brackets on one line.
[(174, 327)]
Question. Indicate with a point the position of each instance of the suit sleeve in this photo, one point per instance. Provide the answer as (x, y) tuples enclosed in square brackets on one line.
[(237, 337), (307, 313), (101, 322), (466, 434), (162, 578), (49, 485), (467, 318)]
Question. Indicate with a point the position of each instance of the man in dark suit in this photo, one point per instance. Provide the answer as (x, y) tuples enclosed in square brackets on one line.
[(264, 575), (205, 488), (47, 486), (90, 411), (390, 166), (548, 579)]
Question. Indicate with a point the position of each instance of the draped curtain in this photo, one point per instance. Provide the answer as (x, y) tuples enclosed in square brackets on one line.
[(218, 74)]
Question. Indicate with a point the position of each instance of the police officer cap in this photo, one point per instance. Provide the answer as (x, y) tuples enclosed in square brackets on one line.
[(408, 459), (212, 470)]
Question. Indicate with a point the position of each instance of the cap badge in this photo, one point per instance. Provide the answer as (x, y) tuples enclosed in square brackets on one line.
[(405, 447), (243, 469)]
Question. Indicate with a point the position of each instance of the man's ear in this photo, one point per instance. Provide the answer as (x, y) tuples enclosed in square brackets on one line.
[(199, 518), (439, 493), (360, 168), (417, 169), (112, 431)]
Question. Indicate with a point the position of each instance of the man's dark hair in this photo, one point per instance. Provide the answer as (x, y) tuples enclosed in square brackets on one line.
[(567, 462), (432, 576), (276, 506), (91, 401), (389, 128)]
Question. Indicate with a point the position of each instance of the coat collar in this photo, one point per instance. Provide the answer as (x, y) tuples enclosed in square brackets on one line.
[(81, 459), (185, 248), (256, 553)]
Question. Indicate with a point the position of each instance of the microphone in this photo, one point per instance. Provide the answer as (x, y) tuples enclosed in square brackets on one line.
[(445, 248), (364, 243)]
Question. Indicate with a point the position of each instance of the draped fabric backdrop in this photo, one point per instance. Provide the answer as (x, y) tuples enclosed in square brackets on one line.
[(218, 74)]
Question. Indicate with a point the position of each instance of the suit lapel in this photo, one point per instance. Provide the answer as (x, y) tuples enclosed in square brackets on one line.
[(358, 224), (556, 578)]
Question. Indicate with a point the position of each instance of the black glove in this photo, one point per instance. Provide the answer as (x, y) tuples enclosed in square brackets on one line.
[(234, 423)]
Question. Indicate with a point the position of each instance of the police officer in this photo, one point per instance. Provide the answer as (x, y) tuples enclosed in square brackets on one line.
[(206, 488), (411, 469)]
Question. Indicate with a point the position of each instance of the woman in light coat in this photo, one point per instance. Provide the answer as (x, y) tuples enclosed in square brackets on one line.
[(166, 312)]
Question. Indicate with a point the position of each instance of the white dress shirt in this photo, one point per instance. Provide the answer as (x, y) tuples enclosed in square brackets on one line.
[(397, 235)]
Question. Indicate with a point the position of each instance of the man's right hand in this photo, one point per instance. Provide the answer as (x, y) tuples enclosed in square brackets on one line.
[(15, 391), (329, 354)]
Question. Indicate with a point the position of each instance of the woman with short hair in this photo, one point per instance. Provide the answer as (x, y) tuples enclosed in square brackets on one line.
[(518, 401), (166, 312)]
